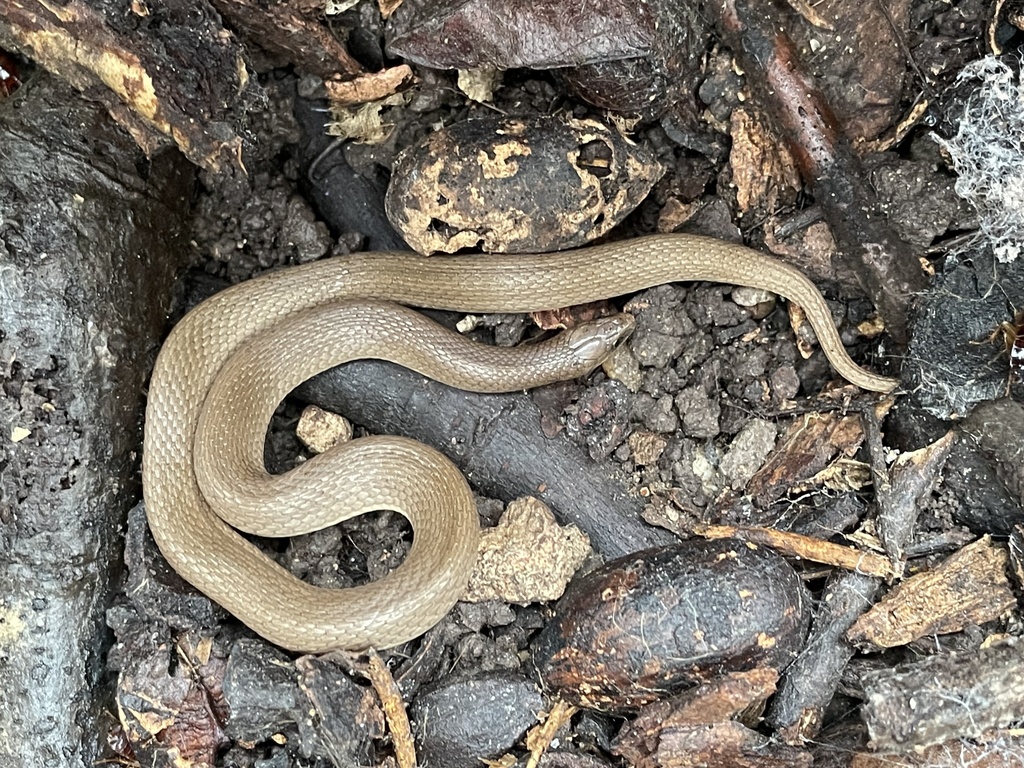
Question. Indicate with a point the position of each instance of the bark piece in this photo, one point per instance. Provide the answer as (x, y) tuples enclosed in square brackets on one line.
[(262, 692), (999, 749), (496, 441), (616, 55), (366, 88), (972, 296), (661, 620), (540, 737), (810, 682), (970, 587), (799, 545), (339, 717), (763, 171), (156, 592), (139, 64), (697, 728), (806, 448), (944, 697), (725, 743), (270, 698), (798, 708), (665, 77), (391, 702), (899, 491), (864, 76), (292, 33), (90, 237)]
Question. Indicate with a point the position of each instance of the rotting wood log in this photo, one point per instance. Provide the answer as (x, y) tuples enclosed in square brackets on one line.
[(139, 61), (90, 232)]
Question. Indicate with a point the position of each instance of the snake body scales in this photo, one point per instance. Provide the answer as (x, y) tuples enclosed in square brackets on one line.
[(228, 363)]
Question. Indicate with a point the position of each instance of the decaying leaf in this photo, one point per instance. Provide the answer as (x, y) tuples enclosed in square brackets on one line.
[(510, 34), (618, 55)]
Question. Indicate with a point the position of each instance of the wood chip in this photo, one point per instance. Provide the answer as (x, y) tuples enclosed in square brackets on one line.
[(969, 587), (367, 88), (394, 710), (539, 739), (700, 727), (944, 697), (900, 489), (763, 171), (809, 444), (811, 15), (805, 547)]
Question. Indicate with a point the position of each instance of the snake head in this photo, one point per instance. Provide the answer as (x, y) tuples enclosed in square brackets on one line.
[(592, 342)]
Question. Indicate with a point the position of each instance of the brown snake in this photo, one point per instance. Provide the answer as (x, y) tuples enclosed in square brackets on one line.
[(207, 417)]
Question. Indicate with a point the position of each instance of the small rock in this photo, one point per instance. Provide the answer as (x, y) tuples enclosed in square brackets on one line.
[(488, 613), (459, 723), (785, 383), (657, 415), (700, 412), (623, 366), (262, 691), (320, 430), (661, 326), (527, 557), (752, 297), (748, 451), (647, 447)]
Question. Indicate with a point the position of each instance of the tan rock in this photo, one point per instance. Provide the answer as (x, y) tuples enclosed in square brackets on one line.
[(527, 557)]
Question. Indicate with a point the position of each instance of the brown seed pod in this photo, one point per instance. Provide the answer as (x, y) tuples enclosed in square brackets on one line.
[(517, 185), (658, 621)]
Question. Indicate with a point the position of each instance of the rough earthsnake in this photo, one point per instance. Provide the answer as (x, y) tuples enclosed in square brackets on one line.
[(296, 322)]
